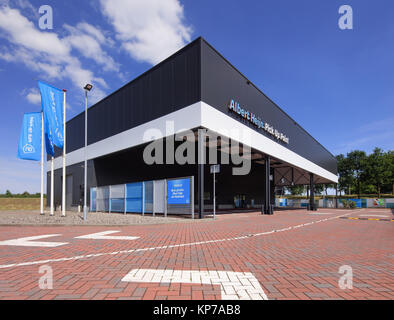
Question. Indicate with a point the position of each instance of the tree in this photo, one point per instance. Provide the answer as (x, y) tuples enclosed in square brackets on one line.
[(296, 190), (328, 186), (8, 193), (378, 169), (344, 172), (319, 188), (356, 163)]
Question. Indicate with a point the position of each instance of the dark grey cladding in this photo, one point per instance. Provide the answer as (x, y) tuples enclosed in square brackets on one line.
[(195, 73), (169, 86)]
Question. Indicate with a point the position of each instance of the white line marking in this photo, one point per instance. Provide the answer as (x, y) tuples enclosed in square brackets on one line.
[(27, 242), (158, 248), (233, 285), (103, 236)]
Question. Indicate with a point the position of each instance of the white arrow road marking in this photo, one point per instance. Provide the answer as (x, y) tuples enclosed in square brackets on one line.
[(103, 236), (28, 241), (233, 285)]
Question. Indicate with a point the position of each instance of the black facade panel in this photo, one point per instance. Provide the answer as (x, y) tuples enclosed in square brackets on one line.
[(221, 82), (77, 173), (167, 87)]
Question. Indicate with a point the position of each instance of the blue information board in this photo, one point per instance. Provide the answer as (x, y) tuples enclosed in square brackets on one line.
[(178, 191)]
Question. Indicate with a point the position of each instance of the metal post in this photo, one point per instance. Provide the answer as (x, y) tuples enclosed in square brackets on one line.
[(52, 187), (125, 198), (153, 205), (336, 196), (165, 197), (201, 162), (214, 196), (64, 156), (267, 209), (86, 159), (192, 196), (109, 205), (143, 198), (42, 165)]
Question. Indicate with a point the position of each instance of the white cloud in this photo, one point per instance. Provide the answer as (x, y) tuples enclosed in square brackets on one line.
[(150, 30), (88, 39), (27, 6), (47, 53), (33, 96)]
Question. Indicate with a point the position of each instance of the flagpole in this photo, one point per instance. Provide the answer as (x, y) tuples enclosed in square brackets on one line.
[(64, 156), (52, 187), (42, 163)]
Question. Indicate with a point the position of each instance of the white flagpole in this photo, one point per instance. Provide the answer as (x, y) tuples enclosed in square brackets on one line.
[(52, 187), (42, 163), (64, 156)]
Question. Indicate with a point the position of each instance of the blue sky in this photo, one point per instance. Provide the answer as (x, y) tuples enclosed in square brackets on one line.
[(338, 84)]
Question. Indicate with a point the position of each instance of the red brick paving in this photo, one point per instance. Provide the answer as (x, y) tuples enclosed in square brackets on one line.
[(299, 263)]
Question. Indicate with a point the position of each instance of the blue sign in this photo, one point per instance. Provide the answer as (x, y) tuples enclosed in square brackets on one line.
[(178, 191), (52, 107), (29, 147)]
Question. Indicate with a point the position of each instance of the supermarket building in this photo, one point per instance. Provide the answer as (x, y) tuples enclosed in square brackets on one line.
[(197, 92)]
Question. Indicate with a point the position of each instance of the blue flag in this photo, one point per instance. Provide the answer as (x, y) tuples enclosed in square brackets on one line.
[(52, 107), (29, 147), (49, 146)]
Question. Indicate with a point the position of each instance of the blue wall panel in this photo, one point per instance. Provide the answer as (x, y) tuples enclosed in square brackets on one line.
[(134, 197)]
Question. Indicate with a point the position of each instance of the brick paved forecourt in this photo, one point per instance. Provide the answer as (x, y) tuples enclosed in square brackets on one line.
[(294, 254)]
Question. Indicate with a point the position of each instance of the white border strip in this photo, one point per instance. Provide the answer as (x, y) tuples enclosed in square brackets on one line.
[(195, 115), (217, 121), (184, 119)]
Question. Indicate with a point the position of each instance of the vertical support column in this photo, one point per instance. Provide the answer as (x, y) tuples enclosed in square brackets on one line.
[(336, 196), (192, 196), (267, 209), (154, 199), (311, 206), (125, 199), (109, 205), (165, 198), (201, 162), (143, 198)]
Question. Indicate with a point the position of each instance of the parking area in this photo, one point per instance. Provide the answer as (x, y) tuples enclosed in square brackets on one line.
[(293, 254)]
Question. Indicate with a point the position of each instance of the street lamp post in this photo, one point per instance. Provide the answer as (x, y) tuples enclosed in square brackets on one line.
[(87, 88)]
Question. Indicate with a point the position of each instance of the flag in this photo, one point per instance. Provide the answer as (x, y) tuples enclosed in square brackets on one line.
[(29, 147), (49, 146), (52, 107)]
